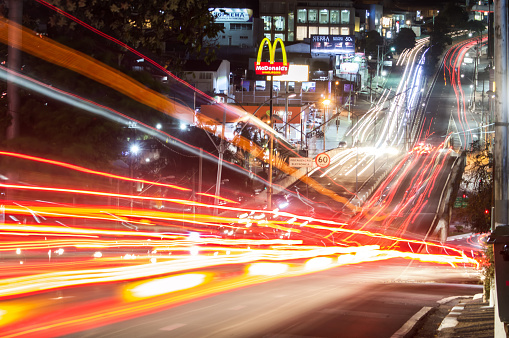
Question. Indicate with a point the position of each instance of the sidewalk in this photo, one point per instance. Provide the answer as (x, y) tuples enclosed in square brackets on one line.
[(456, 317)]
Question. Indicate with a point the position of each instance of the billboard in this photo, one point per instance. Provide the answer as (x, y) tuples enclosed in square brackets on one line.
[(295, 73), (332, 44), (232, 14)]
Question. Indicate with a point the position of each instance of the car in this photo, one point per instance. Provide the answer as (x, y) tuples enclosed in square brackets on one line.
[(342, 144)]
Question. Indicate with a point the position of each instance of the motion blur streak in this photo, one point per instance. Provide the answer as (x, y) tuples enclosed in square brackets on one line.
[(239, 141), (89, 171), (161, 286)]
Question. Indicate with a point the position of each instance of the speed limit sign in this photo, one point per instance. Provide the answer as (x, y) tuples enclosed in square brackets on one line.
[(322, 160)]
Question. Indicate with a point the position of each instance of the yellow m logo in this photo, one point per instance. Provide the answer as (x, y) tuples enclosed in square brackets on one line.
[(272, 51)]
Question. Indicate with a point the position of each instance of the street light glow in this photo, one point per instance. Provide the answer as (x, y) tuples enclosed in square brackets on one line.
[(326, 102), (159, 126), (135, 149)]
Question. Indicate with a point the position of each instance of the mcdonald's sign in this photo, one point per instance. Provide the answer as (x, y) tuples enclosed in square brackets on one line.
[(271, 67)]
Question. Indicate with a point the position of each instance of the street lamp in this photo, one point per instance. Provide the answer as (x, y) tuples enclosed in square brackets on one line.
[(134, 149), (326, 103)]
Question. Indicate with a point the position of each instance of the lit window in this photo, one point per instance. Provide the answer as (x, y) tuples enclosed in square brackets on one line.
[(345, 16), (323, 30), (334, 16), (280, 36), (334, 30), (291, 22), (267, 23), (279, 23), (313, 30), (302, 33), (302, 15), (345, 31), (324, 16), (313, 16)]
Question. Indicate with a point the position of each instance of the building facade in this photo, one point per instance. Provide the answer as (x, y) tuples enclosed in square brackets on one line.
[(293, 20), (241, 28)]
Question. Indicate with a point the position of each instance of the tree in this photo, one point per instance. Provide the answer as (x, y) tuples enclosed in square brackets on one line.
[(475, 26), (439, 38), (478, 182), (455, 16), (168, 28), (404, 39), (371, 41)]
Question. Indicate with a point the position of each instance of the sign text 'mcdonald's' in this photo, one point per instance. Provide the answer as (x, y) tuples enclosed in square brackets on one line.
[(271, 67)]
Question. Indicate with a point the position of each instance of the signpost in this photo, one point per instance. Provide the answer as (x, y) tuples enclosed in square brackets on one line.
[(301, 162)]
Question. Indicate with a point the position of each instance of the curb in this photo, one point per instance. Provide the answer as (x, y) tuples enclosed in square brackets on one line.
[(411, 325)]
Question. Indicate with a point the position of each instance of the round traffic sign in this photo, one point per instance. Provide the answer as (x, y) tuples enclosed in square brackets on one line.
[(322, 160)]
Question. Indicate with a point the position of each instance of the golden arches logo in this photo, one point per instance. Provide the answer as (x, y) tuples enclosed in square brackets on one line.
[(271, 67)]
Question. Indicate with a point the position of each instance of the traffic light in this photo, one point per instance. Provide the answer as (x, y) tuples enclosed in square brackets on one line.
[(486, 211)]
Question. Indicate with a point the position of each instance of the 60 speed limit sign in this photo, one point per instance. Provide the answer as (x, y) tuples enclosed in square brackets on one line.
[(322, 160)]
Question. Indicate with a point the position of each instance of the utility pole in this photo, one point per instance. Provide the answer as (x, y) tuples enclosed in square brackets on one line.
[(221, 149), (500, 233), (14, 64)]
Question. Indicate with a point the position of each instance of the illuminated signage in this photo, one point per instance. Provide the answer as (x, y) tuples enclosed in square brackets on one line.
[(271, 67), (332, 44), (298, 73), (232, 14)]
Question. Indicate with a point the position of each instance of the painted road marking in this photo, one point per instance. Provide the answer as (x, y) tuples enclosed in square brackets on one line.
[(172, 327), (238, 307)]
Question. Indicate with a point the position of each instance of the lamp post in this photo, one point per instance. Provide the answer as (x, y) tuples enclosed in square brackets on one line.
[(326, 103), (134, 149), (221, 149)]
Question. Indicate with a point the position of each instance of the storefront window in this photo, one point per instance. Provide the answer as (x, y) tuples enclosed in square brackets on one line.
[(345, 31), (313, 16), (302, 15), (291, 36), (345, 16), (334, 30), (302, 33), (268, 36), (323, 30), (279, 23), (313, 30), (267, 23), (324, 16), (334, 16)]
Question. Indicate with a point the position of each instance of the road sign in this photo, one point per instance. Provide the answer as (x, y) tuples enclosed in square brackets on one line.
[(301, 162), (322, 160)]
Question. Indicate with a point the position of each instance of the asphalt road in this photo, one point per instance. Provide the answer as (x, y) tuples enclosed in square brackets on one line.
[(368, 300)]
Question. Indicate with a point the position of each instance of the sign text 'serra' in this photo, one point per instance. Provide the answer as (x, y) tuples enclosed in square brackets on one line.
[(271, 67)]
